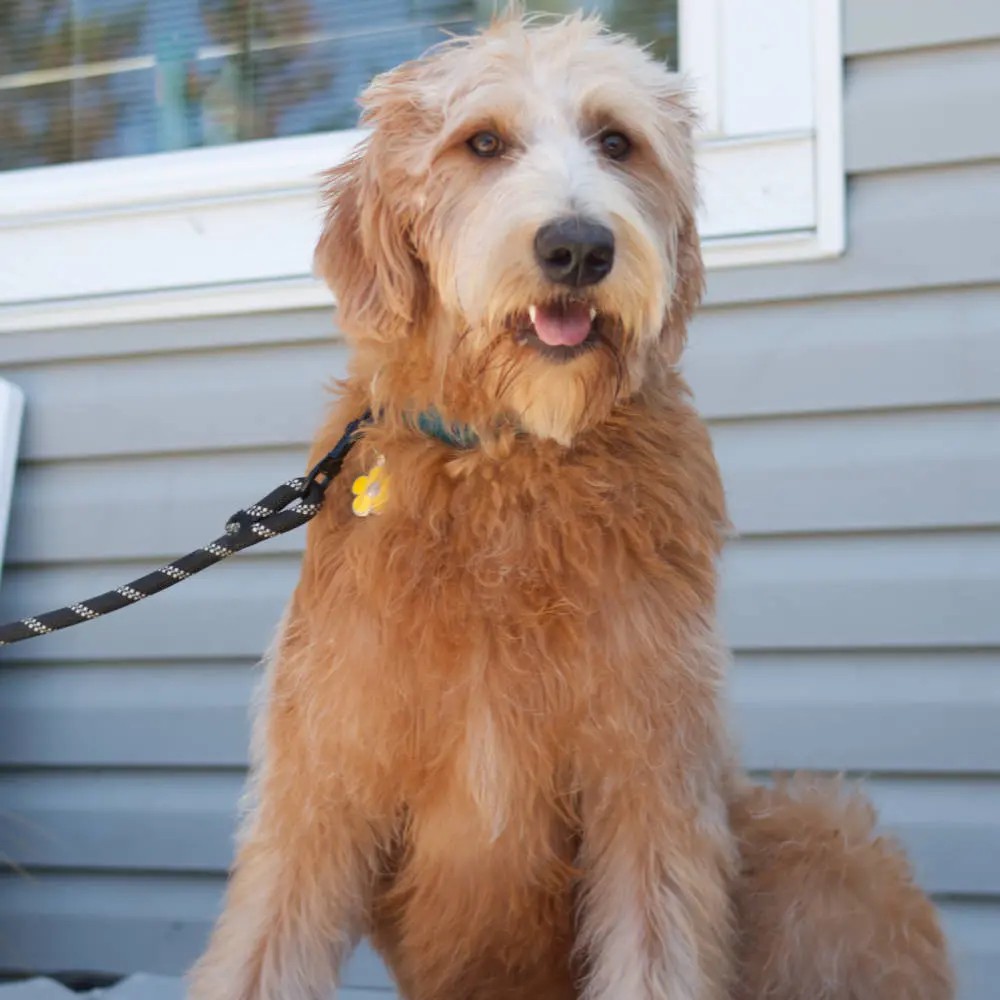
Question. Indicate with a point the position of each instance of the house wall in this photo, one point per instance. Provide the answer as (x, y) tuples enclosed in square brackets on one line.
[(855, 407)]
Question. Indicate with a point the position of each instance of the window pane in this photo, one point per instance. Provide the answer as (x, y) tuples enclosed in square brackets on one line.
[(90, 79)]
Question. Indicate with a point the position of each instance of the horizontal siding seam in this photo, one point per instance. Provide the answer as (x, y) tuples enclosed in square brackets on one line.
[(860, 54)]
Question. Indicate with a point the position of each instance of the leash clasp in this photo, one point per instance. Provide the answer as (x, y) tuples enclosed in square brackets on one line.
[(272, 515)]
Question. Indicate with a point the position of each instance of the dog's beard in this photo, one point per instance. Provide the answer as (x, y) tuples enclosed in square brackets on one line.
[(547, 394)]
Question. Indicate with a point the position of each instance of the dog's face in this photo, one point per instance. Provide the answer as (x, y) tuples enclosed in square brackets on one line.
[(523, 215)]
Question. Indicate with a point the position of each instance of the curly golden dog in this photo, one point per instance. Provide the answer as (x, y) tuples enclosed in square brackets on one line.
[(492, 738)]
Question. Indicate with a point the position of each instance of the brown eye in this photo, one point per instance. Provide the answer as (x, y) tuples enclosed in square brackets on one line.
[(486, 144), (615, 146)]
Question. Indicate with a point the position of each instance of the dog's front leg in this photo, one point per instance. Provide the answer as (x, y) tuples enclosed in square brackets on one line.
[(656, 861), (296, 904), (300, 893)]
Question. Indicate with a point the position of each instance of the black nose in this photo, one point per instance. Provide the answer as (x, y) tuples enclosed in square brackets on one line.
[(575, 251)]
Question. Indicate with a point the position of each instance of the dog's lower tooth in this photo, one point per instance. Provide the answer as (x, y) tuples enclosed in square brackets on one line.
[(593, 314)]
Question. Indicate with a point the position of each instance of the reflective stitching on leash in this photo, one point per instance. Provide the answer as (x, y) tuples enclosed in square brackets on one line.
[(288, 507)]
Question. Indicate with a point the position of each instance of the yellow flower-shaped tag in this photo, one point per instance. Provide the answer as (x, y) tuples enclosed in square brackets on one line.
[(371, 491)]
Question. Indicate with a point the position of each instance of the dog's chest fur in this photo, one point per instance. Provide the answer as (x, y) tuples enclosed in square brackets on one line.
[(498, 608)]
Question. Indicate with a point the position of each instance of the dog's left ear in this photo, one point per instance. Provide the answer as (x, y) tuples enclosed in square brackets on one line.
[(689, 286), (679, 121)]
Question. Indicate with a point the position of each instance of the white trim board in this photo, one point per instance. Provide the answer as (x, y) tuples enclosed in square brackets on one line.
[(232, 229), (11, 410)]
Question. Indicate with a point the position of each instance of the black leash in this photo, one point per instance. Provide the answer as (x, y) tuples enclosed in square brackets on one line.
[(267, 518)]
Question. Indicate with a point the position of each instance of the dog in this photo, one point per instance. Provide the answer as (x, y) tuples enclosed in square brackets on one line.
[(493, 738)]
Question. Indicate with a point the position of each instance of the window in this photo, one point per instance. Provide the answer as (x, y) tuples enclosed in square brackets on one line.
[(244, 102), (95, 79)]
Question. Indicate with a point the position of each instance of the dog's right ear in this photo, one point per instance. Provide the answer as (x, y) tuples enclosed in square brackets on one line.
[(365, 254)]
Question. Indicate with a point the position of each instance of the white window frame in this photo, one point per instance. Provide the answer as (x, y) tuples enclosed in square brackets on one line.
[(231, 229)]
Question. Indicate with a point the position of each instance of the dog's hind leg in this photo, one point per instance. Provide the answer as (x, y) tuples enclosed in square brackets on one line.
[(826, 909)]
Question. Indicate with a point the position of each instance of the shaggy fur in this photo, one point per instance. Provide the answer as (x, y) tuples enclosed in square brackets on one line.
[(492, 737)]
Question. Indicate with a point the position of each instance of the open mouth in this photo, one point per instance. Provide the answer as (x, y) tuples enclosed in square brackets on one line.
[(559, 331)]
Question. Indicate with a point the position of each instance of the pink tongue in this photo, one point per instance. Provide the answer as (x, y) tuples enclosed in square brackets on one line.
[(562, 326)]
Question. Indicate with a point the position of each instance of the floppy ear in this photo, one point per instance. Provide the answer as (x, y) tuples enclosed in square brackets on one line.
[(677, 118), (689, 286), (365, 254)]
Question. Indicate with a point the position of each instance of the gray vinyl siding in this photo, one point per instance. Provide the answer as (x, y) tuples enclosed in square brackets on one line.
[(855, 407)]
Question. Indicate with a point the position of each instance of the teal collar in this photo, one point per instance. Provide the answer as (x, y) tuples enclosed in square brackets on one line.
[(431, 423)]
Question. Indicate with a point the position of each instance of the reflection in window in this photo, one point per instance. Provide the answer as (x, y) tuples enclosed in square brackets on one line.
[(91, 79)]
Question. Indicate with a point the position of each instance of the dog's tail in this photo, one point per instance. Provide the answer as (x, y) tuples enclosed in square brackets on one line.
[(826, 908)]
